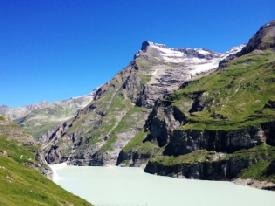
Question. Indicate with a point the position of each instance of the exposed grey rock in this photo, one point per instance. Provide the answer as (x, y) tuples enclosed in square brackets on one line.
[(215, 170), (265, 185), (183, 142), (163, 125), (269, 132), (133, 158)]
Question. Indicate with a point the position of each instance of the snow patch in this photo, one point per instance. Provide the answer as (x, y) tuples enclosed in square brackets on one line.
[(205, 67), (169, 52), (202, 51), (192, 64)]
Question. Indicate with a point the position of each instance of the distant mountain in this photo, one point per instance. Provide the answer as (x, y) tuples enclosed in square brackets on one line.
[(42, 117), (100, 131), (12, 130), (16, 113)]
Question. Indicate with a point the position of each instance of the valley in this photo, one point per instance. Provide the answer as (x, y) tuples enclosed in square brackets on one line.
[(186, 113), (181, 113)]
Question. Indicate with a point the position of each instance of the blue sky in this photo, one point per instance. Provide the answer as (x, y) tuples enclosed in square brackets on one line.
[(54, 49)]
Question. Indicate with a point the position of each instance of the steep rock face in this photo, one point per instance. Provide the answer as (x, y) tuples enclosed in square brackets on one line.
[(88, 137), (163, 126), (216, 170), (269, 132), (256, 165), (183, 142), (100, 131), (168, 68), (162, 121), (133, 158)]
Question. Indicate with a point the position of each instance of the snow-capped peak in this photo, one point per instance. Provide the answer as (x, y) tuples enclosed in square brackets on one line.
[(147, 44), (176, 55), (192, 61)]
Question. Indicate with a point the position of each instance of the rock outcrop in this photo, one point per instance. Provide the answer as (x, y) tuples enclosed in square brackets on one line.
[(215, 170)]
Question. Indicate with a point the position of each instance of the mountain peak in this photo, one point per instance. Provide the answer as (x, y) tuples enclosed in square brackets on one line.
[(146, 44), (184, 56)]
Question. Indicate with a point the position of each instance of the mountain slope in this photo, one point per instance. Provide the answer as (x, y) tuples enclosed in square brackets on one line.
[(221, 126), (97, 134), (21, 181), (40, 118)]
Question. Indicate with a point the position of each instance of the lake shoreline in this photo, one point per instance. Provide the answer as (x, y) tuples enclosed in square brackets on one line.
[(263, 185), (258, 184)]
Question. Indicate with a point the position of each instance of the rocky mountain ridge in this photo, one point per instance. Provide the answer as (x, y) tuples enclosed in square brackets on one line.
[(99, 132)]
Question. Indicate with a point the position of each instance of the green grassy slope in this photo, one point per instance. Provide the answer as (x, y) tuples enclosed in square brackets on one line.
[(236, 97), (262, 157), (136, 144), (14, 131), (22, 185), (39, 121)]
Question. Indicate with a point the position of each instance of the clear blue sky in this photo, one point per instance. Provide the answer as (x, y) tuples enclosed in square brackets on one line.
[(54, 49)]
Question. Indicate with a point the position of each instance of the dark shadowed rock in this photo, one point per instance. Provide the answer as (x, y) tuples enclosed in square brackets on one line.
[(263, 39)]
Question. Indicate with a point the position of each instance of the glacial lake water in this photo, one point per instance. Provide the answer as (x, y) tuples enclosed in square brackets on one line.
[(122, 186)]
